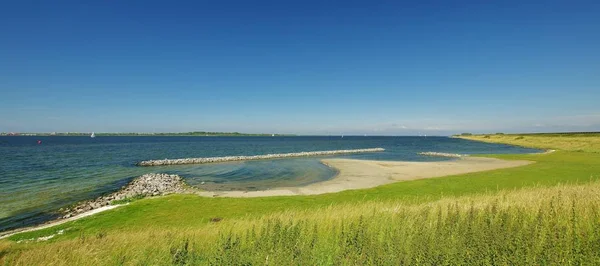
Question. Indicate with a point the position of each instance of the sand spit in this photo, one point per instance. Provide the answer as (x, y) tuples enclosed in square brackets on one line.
[(353, 174), (358, 174), (251, 158)]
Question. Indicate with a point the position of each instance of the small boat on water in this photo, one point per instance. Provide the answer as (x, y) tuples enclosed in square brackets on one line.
[(93, 135)]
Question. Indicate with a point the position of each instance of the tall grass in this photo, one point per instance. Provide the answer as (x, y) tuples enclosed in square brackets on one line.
[(433, 221), (551, 226), (567, 142)]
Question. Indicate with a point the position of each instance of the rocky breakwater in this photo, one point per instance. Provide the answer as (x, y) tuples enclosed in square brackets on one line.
[(143, 186), (250, 158), (443, 154)]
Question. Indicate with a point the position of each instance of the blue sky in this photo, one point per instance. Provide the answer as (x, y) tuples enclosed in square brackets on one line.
[(306, 67)]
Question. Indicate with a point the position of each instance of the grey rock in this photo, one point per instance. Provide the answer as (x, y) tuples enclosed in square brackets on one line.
[(250, 158), (146, 185), (442, 154)]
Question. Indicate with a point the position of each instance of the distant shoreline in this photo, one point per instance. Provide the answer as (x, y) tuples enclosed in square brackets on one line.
[(142, 135), (205, 135)]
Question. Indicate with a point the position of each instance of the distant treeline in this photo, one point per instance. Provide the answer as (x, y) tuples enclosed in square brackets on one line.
[(194, 133), (203, 133)]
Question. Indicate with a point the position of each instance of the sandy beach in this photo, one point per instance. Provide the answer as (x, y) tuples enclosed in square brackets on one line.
[(352, 174), (359, 174)]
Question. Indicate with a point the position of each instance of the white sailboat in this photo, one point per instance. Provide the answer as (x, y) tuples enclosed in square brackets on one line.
[(93, 135)]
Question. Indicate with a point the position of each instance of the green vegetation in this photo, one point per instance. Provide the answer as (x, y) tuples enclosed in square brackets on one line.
[(558, 225), (127, 200), (578, 142), (543, 213)]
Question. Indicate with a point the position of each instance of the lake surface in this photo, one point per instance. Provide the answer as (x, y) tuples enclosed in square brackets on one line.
[(38, 179)]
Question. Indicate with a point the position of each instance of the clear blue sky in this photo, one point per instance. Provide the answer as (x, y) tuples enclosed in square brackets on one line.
[(307, 67)]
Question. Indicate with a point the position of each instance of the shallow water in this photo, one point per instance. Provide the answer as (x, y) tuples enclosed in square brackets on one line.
[(37, 179)]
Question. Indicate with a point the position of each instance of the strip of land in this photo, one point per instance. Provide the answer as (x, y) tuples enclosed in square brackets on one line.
[(253, 157), (576, 142), (359, 174)]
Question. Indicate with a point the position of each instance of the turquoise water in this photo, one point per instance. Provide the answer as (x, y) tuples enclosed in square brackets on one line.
[(38, 179)]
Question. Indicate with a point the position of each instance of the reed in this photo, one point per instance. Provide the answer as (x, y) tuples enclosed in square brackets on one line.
[(556, 225)]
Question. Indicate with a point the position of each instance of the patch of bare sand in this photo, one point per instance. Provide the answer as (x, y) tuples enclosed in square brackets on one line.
[(358, 174)]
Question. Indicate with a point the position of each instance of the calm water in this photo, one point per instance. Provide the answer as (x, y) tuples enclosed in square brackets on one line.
[(37, 179)]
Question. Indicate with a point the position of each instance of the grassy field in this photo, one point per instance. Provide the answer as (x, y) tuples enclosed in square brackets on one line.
[(558, 225), (578, 142), (543, 213)]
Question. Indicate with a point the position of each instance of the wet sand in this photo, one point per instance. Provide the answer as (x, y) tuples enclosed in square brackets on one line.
[(359, 174)]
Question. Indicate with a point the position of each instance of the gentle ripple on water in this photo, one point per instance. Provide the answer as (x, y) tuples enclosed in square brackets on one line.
[(36, 180)]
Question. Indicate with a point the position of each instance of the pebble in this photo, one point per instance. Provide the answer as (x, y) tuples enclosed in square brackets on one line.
[(250, 158), (443, 154), (147, 185)]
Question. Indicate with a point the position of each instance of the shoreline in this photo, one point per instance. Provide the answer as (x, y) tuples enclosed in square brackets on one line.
[(57, 221), (148, 185), (351, 174), (361, 174)]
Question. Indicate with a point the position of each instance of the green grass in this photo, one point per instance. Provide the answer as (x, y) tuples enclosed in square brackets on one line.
[(159, 228), (184, 211), (555, 226), (579, 142), (127, 200)]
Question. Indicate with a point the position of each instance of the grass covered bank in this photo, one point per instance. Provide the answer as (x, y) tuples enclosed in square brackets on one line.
[(352, 227), (556, 225), (577, 142)]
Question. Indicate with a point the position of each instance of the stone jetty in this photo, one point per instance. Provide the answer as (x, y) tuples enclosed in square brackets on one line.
[(143, 186), (250, 158), (443, 154)]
